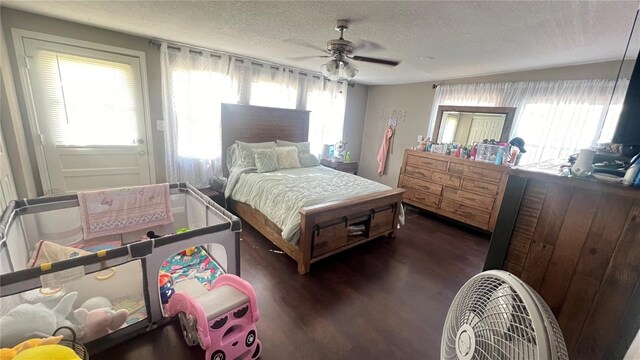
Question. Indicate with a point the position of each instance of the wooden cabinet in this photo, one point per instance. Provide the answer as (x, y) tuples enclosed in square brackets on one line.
[(577, 243), (464, 190)]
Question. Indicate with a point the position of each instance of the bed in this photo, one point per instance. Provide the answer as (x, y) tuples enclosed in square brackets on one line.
[(324, 228)]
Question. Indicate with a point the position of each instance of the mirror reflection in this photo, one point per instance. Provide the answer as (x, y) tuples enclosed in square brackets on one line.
[(468, 128), (467, 125)]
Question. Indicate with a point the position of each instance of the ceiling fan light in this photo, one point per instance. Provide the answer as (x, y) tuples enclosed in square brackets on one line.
[(330, 69), (350, 70)]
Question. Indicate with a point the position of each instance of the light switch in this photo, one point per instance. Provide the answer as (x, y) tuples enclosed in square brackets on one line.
[(160, 125)]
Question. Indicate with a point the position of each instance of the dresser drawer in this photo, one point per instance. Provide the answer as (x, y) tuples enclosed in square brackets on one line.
[(421, 185), (468, 198), (475, 172), (427, 162), (479, 186), (465, 213), (446, 179), (417, 172), (421, 199)]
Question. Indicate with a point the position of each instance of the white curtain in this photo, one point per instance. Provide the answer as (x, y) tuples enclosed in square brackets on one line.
[(196, 82), (555, 118), (326, 100)]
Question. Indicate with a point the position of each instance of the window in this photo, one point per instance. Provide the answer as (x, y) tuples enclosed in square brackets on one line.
[(197, 95), (326, 119), (91, 101), (272, 94)]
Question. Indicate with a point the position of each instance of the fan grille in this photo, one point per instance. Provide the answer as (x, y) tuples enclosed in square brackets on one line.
[(502, 321)]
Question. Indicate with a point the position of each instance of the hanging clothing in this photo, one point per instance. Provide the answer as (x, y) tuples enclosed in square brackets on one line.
[(384, 150)]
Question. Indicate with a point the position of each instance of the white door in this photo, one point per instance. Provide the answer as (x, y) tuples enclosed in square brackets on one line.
[(90, 117), (486, 127), (7, 187)]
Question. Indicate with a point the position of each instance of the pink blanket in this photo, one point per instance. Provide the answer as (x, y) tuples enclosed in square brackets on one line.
[(115, 211)]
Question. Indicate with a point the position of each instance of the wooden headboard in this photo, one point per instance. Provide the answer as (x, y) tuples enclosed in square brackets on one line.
[(259, 124)]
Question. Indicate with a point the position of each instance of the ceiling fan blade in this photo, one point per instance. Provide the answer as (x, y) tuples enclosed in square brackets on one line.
[(367, 46), (376, 61), (303, 43), (300, 58)]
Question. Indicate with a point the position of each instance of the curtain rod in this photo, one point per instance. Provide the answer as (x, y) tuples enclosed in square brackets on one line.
[(178, 46)]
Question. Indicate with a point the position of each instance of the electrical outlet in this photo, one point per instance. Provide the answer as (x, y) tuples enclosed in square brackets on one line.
[(160, 125)]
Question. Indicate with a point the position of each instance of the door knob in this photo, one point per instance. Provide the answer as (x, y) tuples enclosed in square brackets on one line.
[(141, 153), (140, 141)]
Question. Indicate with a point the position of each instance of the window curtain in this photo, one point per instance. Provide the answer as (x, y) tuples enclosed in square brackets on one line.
[(555, 118), (326, 100), (196, 82)]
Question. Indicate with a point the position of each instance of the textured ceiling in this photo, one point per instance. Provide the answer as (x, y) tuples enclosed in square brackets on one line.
[(434, 40)]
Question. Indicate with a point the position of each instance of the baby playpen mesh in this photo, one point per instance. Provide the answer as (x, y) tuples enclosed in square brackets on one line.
[(123, 268)]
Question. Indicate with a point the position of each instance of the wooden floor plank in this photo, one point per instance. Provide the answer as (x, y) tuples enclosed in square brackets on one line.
[(386, 299)]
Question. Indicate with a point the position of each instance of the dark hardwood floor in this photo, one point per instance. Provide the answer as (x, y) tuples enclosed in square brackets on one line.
[(386, 299)]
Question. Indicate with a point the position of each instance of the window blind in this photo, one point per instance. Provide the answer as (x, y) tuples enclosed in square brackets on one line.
[(89, 101)]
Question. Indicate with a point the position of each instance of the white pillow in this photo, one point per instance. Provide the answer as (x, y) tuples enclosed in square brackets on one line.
[(304, 148), (287, 157)]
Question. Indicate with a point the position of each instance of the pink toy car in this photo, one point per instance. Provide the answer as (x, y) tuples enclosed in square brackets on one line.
[(222, 320)]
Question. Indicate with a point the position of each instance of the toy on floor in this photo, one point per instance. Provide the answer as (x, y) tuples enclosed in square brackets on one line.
[(8, 354), (27, 321), (47, 352), (166, 291), (222, 320)]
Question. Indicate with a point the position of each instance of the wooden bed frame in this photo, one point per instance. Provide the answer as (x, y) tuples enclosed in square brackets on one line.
[(324, 227)]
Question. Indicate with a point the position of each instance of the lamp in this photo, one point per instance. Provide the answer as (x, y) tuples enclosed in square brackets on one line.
[(339, 69)]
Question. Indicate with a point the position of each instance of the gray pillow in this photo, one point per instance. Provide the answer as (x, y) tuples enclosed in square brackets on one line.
[(245, 152), (303, 147), (308, 160), (266, 160)]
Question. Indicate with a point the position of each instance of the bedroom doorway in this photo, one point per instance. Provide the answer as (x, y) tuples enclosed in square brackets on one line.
[(88, 115)]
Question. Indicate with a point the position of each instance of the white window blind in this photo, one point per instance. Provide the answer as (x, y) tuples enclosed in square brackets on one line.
[(90, 101)]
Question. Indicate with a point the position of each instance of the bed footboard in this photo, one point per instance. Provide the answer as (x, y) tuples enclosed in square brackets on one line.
[(329, 228), (333, 227)]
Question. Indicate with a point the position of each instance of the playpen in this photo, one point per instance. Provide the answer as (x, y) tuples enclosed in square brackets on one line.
[(123, 268)]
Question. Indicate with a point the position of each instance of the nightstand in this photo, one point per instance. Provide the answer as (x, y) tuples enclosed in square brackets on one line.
[(348, 167)]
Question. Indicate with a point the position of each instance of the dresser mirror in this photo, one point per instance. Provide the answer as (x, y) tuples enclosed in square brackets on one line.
[(467, 125)]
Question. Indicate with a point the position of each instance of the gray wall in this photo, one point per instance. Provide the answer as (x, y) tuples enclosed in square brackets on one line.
[(417, 100), (354, 119), (356, 96), (27, 21)]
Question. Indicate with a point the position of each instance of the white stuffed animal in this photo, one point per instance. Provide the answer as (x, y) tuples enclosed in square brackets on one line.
[(27, 321)]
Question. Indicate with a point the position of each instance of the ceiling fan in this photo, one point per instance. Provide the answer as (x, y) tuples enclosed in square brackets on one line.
[(342, 51)]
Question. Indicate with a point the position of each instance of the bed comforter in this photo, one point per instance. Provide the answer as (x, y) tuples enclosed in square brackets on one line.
[(280, 195)]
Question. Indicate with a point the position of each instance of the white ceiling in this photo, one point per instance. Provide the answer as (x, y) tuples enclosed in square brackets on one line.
[(464, 38)]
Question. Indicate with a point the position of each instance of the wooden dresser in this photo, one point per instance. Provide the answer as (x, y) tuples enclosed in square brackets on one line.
[(465, 190)]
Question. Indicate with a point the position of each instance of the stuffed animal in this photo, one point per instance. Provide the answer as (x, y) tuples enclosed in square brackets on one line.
[(8, 354), (99, 322), (47, 352), (27, 321)]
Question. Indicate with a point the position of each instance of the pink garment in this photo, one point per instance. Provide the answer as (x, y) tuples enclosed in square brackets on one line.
[(116, 211), (384, 150)]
